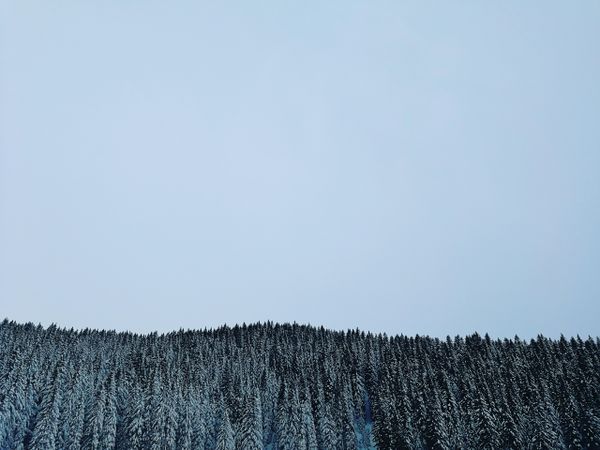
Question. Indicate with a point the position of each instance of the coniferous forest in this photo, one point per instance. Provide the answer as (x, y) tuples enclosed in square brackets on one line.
[(270, 386)]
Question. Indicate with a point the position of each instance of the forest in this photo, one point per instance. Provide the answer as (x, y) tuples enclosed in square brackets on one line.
[(288, 386)]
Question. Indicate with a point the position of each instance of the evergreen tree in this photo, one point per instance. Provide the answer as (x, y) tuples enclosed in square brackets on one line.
[(436, 430), (591, 429), (184, 431), (46, 428), (251, 424), (75, 416), (327, 433), (135, 421), (225, 436), (109, 429), (486, 433), (94, 420), (286, 386), (156, 415), (171, 425), (308, 426), (547, 433)]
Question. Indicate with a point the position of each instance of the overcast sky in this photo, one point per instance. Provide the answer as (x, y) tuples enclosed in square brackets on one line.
[(404, 167)]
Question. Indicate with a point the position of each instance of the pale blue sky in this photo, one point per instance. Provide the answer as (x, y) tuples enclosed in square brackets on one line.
[(407, 167)]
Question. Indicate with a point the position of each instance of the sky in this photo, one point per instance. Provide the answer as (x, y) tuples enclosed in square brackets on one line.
[(400, 167)]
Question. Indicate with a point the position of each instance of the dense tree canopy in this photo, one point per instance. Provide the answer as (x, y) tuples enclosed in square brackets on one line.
[(293, 387)]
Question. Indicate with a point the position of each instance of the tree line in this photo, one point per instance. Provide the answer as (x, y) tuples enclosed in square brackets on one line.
[(288, 386)]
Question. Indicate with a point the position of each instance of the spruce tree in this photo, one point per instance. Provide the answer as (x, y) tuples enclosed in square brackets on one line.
[(109, 430), (225, 436), (135, 421), (287, 386), (251, 424), (46, 428)]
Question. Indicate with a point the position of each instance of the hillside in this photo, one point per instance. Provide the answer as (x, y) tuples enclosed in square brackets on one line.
[(293, 387)]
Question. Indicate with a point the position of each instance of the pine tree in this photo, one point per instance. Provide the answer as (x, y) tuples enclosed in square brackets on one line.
[(171, 426), (45, 432), (383, 428), (251, 424), (308, 426), (510, 437), (285, 386), (436, 430), (591, 429), (184, 431), (326, 429), (135, 421), (109, 429), (290, 435), (485, 425), (571, 426), (225, 436), (75, 416), (14, 414), (156, 414)]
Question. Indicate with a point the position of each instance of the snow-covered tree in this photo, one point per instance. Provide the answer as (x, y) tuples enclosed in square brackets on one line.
[(45, 432), (287, 386), (251, 424), (225, 436)]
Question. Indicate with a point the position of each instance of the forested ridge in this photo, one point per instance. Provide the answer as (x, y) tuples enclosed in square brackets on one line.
[(271, 386)]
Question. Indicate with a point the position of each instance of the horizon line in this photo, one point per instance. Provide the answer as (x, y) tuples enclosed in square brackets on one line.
[(273, 324)]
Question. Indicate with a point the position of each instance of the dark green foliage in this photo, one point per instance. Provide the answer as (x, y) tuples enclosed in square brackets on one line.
[(293, 387)]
